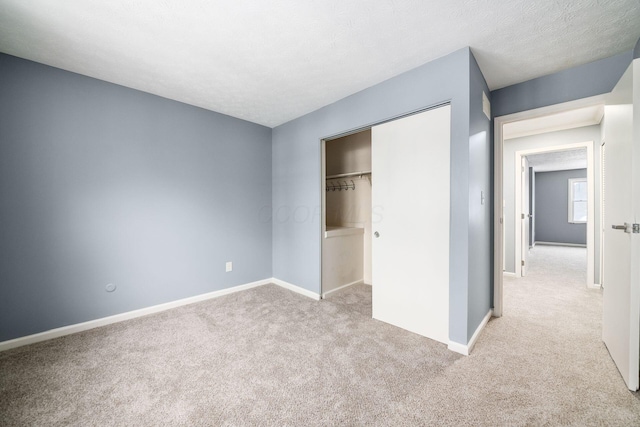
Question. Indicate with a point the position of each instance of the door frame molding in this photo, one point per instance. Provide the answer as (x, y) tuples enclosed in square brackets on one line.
[(498, 219), (602, 166)]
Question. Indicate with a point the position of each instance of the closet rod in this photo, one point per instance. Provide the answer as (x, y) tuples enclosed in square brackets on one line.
[(346, 175)]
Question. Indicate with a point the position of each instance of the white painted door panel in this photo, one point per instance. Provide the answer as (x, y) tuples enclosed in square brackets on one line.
[(621, 296), (410, 211)]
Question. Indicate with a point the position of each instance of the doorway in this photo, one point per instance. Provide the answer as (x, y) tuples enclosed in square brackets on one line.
[(578, 121), (620, 296), (346, 248), (546, 214), (408, 213)]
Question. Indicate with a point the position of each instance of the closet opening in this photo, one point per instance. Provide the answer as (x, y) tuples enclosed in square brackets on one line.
[(388, 231), (346, 230)]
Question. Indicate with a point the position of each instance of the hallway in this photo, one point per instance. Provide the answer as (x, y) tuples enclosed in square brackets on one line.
[(555, 281), (550, 340)]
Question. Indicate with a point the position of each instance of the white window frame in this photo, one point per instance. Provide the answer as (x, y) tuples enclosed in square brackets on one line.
[(572, 201)]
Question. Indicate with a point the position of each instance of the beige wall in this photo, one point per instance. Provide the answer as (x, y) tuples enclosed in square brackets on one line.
[(351, 208)]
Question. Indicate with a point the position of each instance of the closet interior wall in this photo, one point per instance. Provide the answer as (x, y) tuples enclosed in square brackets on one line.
[(351, 207)]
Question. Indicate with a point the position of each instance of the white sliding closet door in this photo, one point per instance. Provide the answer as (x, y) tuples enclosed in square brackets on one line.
[(410, 214)]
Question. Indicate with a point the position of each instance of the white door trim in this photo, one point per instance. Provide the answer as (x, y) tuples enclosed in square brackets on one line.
[(498, 220), (323, 209), (590, 203), (602, 218)]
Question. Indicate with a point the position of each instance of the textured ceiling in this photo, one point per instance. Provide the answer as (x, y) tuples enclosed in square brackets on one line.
[(272, 61), (558, 160)]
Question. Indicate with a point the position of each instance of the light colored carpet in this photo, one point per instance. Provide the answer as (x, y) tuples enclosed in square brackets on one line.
[(267, 356)]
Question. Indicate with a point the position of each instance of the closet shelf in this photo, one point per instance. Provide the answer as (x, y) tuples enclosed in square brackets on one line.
[(350, 174)]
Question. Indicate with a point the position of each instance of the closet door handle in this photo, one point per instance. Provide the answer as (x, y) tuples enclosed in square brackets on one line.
[(376, 234)]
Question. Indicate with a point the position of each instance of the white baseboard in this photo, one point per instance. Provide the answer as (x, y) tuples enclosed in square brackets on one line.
[(458, 348), (357, 282), (573, 245), (508, 274), (466, 349), (294, 288), (91, 324), (595, 286)]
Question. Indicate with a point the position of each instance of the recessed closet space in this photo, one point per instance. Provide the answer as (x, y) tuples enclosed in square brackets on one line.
[(346, 243)]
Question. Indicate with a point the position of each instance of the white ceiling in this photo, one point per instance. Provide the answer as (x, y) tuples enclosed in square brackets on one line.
[(569, 119), (272, 61), (559, 160)]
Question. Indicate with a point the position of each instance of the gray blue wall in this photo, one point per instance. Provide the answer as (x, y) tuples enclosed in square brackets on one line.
[(480, 212), (103, 184), (552, 208), (297, 187), (594, 78)]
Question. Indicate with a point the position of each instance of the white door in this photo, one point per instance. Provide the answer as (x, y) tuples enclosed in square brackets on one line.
[(410, 220), (525, 215), (621, 294)]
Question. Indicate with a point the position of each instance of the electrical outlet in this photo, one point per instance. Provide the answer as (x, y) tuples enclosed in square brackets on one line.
[(229, 266)]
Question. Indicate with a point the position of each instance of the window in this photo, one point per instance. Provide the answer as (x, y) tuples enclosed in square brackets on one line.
[(578, 200)]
